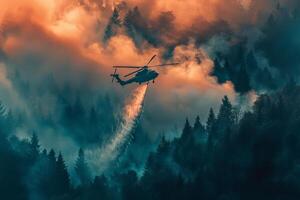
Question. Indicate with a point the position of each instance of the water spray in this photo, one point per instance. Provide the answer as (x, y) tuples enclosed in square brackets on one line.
[(102, 157)]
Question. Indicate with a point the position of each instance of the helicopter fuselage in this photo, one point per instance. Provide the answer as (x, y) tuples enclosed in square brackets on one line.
[(144, 76), (141, 74)]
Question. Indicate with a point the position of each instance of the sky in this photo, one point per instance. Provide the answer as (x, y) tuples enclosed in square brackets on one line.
[(67, 39)]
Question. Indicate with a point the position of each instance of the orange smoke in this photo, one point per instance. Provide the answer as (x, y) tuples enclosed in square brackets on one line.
[(64, 37)]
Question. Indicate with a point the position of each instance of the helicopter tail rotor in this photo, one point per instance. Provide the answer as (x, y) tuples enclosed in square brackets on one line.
[(113, 75)]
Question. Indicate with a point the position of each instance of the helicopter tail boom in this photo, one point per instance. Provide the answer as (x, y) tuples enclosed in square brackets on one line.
[(117, 77)]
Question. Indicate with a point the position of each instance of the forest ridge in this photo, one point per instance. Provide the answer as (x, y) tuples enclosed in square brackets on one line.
[(253, 156)]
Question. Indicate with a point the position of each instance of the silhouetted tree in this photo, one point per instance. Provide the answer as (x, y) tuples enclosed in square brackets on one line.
[(81, 168), (62, 177), (187, 130), (11, 183), (52, 158), (49, 186), (198, 127), (226, 117), (100, 189), (129, 186), (256, 157), (211, 120), (34, 146)]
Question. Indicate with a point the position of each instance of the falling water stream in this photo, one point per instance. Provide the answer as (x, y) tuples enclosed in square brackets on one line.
[(102, 157)]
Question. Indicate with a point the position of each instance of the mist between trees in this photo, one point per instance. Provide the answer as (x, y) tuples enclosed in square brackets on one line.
[(228, 157)]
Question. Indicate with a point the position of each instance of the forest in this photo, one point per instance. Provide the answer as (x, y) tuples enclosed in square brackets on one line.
[(232, 156)]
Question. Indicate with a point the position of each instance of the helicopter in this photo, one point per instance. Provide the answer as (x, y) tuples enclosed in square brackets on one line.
[(142, 75)]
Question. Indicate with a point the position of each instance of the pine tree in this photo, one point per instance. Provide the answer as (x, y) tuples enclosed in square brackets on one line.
[(198, 127), (210, 121), (100, 189), (82, 169), (186, 130), (211, 129), (226, 111), (226, 115), (11, 172), (34, 146), (51, 156), (129, 185), (49, 185), (62, 176)]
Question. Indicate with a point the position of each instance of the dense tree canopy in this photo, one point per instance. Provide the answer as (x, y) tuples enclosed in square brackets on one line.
[(256, 157)]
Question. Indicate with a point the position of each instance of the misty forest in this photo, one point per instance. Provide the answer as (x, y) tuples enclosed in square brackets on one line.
[(223, 125)]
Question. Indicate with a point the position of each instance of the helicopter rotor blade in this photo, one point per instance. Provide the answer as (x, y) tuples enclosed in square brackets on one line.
[(125, 66), (162, 65), (133, 72), (151, 60)]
